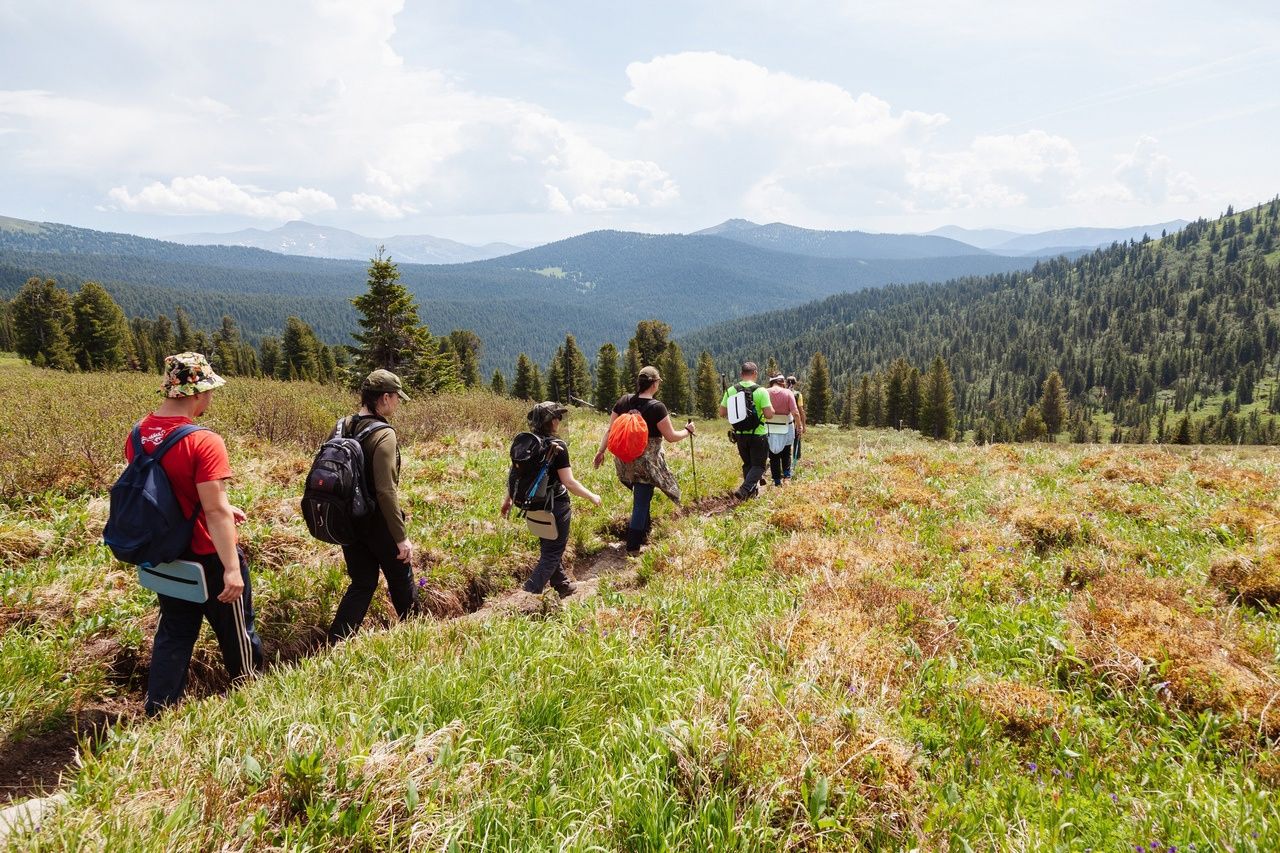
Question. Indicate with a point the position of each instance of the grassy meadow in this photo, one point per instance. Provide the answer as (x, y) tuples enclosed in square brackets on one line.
[(915, 646)]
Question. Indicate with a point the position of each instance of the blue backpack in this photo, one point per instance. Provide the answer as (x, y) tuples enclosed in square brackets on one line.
[(146, 526)]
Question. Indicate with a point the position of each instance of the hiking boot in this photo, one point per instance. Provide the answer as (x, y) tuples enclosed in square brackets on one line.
[(567, 590)]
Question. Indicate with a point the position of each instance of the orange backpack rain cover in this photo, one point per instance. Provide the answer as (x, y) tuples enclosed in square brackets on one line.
[(628, 437)]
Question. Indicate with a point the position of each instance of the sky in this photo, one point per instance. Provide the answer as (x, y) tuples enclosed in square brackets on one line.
[(528, 122)]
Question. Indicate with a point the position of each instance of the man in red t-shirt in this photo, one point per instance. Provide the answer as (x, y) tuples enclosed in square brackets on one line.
[(198, 470)]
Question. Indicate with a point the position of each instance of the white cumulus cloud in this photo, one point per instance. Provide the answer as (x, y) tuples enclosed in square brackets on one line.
[(1146, 175), (1011, 170), (201, 195)]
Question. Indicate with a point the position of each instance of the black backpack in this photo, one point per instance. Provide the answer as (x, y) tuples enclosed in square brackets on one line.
[(146, 526), (529, 480), (750, 420), (337, 491)]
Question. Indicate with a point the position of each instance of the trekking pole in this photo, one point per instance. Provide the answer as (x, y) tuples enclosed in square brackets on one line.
[(693, 459)]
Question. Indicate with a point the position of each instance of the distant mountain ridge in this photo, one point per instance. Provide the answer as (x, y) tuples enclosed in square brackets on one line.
[(596, 285), (839, 244), (1060, 241), (304, 239)]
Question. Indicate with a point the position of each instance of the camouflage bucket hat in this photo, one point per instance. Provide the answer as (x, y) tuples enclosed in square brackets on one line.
[(187, 374)]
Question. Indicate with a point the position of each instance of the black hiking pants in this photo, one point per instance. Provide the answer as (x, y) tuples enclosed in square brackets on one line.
[(550, 565), (754, 450), (780, 465), (376, 550), (179, 628)]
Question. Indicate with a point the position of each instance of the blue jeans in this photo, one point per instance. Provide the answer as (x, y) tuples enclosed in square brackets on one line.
[(641, 499)]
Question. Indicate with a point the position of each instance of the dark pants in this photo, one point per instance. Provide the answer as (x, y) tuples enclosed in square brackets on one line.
[(638, 529), (780, 465), (550, 565), (179, 629), (375, 550), (754, 450)]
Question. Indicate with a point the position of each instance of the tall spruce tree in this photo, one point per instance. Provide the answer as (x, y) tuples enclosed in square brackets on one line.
[(7, 338), (43, 323), (937, 406), (863, 417), (102, 339), (574, 371), (498, 384), (631, 365), (817, 402), (707, 396), (650, 342), (608, 385), (1053, 404), (226, 349), (166, 342), (186, 336), (522, 388), (467, 345), (299, 353), (392, 337), (675, 380)]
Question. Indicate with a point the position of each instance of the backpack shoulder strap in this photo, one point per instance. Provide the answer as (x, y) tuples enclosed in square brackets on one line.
[(371, 429), (174, 437), (135, 439)]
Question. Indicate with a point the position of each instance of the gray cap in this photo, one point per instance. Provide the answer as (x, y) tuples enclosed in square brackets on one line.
[(544, 413)]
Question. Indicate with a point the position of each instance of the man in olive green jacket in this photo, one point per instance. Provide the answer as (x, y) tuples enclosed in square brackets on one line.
[(384, 542)]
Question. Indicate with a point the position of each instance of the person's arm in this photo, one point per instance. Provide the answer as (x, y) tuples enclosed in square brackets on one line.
[(220, 516), (765, 403), (604, 441), (384, 487), (672, 434), (799, 421), (575, 488)]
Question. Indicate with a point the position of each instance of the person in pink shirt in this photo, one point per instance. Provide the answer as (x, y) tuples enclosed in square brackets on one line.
[(787, 422)]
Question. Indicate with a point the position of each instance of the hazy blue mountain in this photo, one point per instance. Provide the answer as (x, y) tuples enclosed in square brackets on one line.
[(983, 238), (1067, 239), (596, 285), (323, 241), (839, 244)]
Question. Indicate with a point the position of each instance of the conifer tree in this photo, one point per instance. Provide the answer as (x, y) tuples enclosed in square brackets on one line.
[(186, 335), (226, 348), (536, 386), (391, 336), (574, 371), (1032, 427), (142, 331), (632, 365), (6, 327), (914, 399), (675, 380), (446, 368), (771, 369), (1053, 404), (523, 387), (498, 384), (43, 323), (863, 415), (467, 345), (299, 352), (708, 392), (269, 355), (166, 343), (102, 339), (650, 342), (608, 386), (849, 407), (937, 407), (1183, 434), (895, 394), (818, 399)]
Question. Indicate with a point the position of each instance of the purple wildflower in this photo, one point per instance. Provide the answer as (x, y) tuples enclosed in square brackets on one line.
[(1114, 798), (1032, 766)]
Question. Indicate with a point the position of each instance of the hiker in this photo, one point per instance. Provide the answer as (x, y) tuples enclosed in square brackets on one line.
[(649, 470), (544, 420), (791, 384), (747, 406), (382, 541), (198, 468), (784, 428)]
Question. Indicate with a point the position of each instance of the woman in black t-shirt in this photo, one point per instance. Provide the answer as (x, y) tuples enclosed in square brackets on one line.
[(544, 420), (649, 471)]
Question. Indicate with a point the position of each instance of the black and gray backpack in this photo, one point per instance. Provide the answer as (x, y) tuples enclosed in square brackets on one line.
[(338, 489), (529, 481)]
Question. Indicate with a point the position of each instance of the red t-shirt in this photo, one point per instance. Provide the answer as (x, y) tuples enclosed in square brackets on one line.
[(201, 457)]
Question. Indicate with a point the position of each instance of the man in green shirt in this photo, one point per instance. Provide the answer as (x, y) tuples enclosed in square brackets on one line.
[(746, 405)]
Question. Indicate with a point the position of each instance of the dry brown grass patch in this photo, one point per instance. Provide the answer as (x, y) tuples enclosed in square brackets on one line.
[(20, 543), (1219, 477), (279, 546), (1147, 468), (1109, 500), (1245, 521), (1135, 628), (694, 561), (1267, 767), (790, 741), (796, 517), (1254, 579), (1045, 528), (1020, 709)]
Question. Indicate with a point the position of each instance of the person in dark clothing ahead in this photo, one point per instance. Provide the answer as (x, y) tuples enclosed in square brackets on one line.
[(384, 542), (544, 421), (649, 471)]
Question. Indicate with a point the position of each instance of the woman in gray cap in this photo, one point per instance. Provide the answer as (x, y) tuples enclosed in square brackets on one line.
[(544, 420), (650, 471)]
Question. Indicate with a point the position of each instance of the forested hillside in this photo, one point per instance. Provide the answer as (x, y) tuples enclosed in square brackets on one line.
[(1137, 331), (596, 286), (840, 244)]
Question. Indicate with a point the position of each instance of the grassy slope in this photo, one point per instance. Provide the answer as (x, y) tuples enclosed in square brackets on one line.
[(918, 644)]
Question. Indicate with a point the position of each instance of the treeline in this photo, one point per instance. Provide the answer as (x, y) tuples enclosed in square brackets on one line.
[(89, 331), (1140, 335)]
